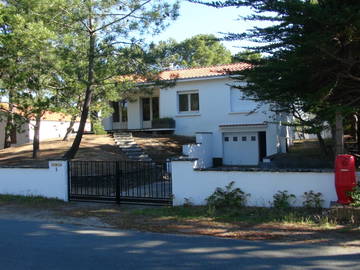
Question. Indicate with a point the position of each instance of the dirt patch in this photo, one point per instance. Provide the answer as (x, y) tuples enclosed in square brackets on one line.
[(93, 147), (162, 146)]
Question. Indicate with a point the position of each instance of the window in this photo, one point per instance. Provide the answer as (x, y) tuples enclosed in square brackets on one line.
[(226, 139), (243, 138), (235, 139), (253, 138), (188, 101)]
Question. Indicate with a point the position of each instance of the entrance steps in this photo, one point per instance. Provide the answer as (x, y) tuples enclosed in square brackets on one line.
[(130, 148)]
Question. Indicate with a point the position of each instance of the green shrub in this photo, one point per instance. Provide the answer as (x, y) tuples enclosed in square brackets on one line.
[(228, 198), (312, 199), (355, 195), (283, 200), (98, 128)]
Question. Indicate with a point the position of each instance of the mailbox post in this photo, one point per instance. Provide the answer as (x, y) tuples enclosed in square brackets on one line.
[(345, 178)]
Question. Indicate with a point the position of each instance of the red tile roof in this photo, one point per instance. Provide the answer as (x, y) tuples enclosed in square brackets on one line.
[(200, 72)]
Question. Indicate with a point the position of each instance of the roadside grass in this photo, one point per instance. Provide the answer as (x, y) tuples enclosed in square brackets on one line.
[(296, 225), (31, 201), (246, 215)]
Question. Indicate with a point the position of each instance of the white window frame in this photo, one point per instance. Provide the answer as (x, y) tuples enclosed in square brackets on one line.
[(188, 93)]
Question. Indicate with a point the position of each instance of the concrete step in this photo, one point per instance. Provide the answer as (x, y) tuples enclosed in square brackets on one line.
[(129, 145), (132, 150), (125, 141), (122, 137), (134, 156)]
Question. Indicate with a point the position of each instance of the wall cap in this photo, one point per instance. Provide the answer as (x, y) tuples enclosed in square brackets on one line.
[(182, 158), (255, 169)]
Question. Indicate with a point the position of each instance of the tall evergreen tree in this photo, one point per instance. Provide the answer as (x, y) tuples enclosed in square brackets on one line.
[(313, 63)]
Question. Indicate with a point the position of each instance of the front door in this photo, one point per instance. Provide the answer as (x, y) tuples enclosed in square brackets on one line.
[(241, 148), (150, 111)]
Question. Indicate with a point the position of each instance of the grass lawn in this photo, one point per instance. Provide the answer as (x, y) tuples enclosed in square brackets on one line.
[(295, 225)]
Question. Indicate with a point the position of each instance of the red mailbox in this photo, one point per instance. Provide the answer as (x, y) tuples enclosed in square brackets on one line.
[(345, 178)]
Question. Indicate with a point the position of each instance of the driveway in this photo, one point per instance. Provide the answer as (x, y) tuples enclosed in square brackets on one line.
[(41, 245)]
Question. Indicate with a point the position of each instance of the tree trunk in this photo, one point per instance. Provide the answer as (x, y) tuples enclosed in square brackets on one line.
[(9, 123), (339, 134), (70, 128), (358, 132), (36, 140), (356, 125), (8, 129), (70, 154), (322, 144)]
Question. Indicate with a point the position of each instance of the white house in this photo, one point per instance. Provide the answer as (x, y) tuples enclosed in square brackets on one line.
[(53, 125), (229, 129)]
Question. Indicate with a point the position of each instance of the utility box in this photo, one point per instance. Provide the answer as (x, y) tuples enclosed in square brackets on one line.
[(345, 178)]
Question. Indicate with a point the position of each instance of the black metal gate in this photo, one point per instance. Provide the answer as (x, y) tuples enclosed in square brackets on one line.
[(139, 182)]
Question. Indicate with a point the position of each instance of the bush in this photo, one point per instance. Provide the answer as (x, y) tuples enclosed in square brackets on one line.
[(283, 200), (227, 198), (312, 199), (355, 196), (98, 128)]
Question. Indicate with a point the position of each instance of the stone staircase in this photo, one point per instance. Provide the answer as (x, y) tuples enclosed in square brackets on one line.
[(128, 145)]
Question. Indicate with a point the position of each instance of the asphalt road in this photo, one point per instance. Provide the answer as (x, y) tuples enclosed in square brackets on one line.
[(40, 245)]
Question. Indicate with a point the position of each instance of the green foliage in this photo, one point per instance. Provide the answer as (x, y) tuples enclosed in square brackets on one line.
[(312, 199), (199, 50), (98, 128), (311, 51), (283, 200), (227, 199), (247, 215), (246, 55), (355, 196), (66, 55)]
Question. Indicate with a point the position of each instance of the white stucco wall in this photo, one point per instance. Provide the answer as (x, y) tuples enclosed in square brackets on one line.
[(49, 182), (21, 137), (215, 110), (48, 130), (53, 129), (198, 185), (201, 150)]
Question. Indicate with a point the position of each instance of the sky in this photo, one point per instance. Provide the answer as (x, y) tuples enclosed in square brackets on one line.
[(199, 19)]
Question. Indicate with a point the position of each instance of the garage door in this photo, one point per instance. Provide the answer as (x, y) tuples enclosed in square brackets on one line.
[(241, 148)]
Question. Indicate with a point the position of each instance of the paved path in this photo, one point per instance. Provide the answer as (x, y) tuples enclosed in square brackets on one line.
[(40, 245)]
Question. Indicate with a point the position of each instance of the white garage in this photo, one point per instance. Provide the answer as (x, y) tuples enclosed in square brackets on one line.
[(241, 148)]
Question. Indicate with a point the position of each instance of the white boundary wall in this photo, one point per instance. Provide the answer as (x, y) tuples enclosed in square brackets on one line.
[(49, 182), (198, 185)]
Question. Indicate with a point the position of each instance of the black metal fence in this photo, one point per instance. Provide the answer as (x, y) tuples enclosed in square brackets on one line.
[(120, 181)]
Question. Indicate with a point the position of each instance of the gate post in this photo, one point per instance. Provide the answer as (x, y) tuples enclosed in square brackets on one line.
[(117, 177)]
